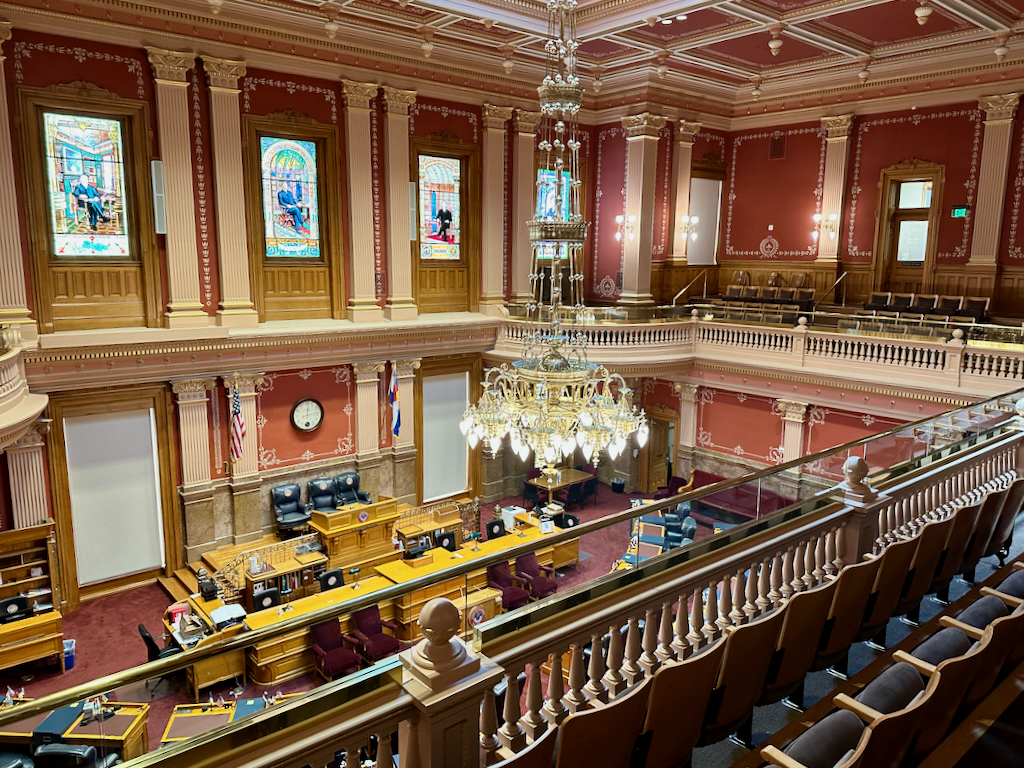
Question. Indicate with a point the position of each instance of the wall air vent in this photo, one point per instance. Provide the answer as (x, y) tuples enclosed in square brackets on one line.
[(777, 146)]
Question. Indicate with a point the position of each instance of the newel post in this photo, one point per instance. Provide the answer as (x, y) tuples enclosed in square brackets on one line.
[(862, 506), (447, 680), (800, 341), (954, 358)]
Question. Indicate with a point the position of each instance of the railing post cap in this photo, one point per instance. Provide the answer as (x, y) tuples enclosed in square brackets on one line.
[(801, 321), (1019, 407), (695, 314), (441, 658)]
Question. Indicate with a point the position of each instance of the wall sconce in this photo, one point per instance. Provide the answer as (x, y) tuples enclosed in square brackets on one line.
[(828, 225), (626, 224), (689, 226)]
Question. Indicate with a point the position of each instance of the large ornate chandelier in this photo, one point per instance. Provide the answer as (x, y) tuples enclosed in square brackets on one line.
[(553, 399)]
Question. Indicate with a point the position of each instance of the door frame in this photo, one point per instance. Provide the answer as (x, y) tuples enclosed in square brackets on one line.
[(71, 404), (660, 413)]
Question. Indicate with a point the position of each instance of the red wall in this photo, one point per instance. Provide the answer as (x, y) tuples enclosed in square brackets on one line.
[(1011, 247), (949, 135), (739, 424), (610, 201), (429, 116), (783, 194)]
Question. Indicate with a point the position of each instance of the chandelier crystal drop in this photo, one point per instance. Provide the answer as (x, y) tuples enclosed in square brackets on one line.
[(553, 399)]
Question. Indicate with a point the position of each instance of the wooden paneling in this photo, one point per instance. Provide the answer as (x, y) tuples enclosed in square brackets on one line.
[(673, 277), (964, 280), (1009, 299), (806, 274), (96, 296), (443, 288), (293, 291), (856, 286)]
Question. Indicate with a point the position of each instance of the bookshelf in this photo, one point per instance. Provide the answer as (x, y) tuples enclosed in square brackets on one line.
[(28, 558)]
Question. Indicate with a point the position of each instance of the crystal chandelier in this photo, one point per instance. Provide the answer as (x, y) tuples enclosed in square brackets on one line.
[(553, 399)]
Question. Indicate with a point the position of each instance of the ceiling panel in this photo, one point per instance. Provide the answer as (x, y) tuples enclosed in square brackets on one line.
[(605, 50), (698, 22), (752, 51), (894, 22)]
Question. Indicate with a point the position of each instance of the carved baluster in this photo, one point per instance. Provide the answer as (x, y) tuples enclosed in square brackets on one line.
[(830, 553), (725, 604), (554, 710), (488, 726), (710, 628), (631, 669), (808, 576), (775, 593), (613, 680), (594, 688), (352, 754), (695, 636), (797, 584), (575, 700), (680, 645), (819, 559), (750, 606), (763, 587), (649, 659), (533, 722), (384, 757), (664, 652), (739, 584), (511, 734), (787, 575)]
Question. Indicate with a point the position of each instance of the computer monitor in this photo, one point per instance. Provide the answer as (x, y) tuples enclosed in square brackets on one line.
[(446, 540), (268, 598), (332, 579), (495, 528), (14, 608), (566, 520)]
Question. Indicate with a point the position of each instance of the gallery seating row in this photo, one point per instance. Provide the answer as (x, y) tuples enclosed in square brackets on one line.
[(712, 693), (802, 298), (921, 305), (322, 493)]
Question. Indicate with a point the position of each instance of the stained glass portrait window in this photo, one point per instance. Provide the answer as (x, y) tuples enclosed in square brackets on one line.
[(440, 207), (291, 210), (85, 173), (547, 195)]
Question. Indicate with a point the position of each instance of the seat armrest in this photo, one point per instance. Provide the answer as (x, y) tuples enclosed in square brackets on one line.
[(1009, 600), (361, 637), (972, 632), (863, 711), (528, 577), (389, 624), (522, 582), (318, 651), (109, 760), (1018, 565), (923, 667), (776, 756), (353, 641), (548, 569)]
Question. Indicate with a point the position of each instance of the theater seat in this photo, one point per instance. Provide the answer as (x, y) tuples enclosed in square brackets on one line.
[(832, 741)]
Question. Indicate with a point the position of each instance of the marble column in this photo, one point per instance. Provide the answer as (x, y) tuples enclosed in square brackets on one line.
[(367, 404), (686, 133), (362, 306), (236, 308), (27, 475), (837, 137), (170, 68), (13, 291), (247, 517), (794, 417), (492, 267), (686, 441), (404, 444), (524, 201), (194, 445), (995, 160), (400, 304), (641, 177)]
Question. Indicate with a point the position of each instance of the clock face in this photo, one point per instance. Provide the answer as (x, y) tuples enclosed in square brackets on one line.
[(307, 415)]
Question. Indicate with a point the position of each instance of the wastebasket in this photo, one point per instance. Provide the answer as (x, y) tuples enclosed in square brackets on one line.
[(69, 654), (618, 485)]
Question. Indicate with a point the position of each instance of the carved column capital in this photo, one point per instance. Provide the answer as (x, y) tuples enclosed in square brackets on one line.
[(190, 390), (358, 95), (171, 66), (367, 371), (245, 383), (397, 102), (5, 33), (494, 117), (223, 73), (1000, 107), (406, 369), (792, 411), (526, 122), (837, 127), (33, 438), (687, 392), (644, 124), (686, 131)]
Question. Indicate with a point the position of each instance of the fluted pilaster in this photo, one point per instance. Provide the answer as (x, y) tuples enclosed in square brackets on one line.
[(246, 384), (641, 177), (367, 407), (406, 370), (27, 472), (794, 419), (686, 133), (492, 294), (194, 429), (400, 304), (995, 160), (837, 138), (524, 201)]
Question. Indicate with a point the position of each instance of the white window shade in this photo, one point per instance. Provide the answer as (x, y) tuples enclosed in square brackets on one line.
[(114, 480), (445, 452), (705, 203)]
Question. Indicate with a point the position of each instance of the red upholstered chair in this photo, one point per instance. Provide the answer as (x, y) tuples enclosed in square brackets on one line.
[(533, 473), (373, 644), (675, 485), (331, 657), (540, 585), (512, 595)]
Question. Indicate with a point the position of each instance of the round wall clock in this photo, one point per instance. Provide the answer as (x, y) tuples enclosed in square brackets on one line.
[(307, 414)]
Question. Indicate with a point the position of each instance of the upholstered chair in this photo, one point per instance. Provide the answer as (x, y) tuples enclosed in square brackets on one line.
[(513, 596), (288, 507), (538, 577), (368, 628), (320, 493), (330, 654), (346, 485)]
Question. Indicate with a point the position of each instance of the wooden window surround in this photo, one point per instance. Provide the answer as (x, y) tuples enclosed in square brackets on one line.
[(888, 275), (442, 286), (300, 288), (77, 293)]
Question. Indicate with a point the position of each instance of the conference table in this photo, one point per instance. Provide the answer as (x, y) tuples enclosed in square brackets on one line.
[(563, 478)]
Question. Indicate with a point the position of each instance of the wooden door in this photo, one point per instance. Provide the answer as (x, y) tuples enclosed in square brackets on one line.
[(657, 473)]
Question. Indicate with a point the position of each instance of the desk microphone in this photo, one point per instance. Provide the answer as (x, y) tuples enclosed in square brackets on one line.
[(355, 572)]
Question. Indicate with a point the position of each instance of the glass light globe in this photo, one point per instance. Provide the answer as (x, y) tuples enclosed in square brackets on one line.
[(495, 443), (473, 440), (588, 451)]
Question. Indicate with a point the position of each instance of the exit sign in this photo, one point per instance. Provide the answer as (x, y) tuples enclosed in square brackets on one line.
[(960, 211)]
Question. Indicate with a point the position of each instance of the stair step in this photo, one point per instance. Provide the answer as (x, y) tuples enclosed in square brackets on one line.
[(188, 579), (174, 588)]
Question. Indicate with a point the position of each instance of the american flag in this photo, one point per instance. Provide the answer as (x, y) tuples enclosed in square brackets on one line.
[(396, 409), (237, 426)]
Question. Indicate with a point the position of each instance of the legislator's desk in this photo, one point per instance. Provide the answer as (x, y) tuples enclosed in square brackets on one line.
[(294, 577), (281, 658), (36, 637), (124, 732), (563, 478), (563, 554), (358, 535), (215, 669), (429, 523), (190, 720)]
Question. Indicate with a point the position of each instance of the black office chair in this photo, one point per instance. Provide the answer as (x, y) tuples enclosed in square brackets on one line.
[(267, 598), (346, 485), (9, 760), (332, 579), (154, 652), (320, 493), (288, 507), (72, 756)]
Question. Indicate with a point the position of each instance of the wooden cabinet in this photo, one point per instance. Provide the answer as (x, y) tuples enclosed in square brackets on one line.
[(37, 637), (28, 566)]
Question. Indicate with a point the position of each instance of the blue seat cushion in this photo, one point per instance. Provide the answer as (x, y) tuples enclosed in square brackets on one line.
[(945, 644), (892, 690), (983, 612), (1013, 584)]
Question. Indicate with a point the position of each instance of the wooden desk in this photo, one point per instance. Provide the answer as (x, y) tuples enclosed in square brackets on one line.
[(563, 478), (124, 732), (563, 554), (358, 535), (216, 669), (294, 577), (36, 637), (281, 658), (190, 720)]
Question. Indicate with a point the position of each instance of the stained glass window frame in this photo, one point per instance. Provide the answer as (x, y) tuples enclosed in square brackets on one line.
[(274, 218), (457, 221)]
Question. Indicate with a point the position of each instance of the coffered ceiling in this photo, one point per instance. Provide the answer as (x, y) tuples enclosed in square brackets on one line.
[(723, 57)]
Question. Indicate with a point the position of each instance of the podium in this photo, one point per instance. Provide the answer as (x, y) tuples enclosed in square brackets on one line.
[(358, 535)]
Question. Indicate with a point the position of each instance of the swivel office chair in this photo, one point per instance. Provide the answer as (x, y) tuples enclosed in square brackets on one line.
[(346, 486), (71, 756), (154, 652), (288, 507), (320, 493)]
